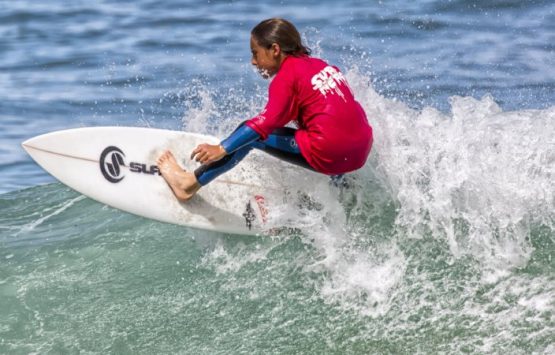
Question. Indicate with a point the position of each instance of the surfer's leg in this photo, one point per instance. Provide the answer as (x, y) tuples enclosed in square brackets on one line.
[(282, 145), (183, 183)]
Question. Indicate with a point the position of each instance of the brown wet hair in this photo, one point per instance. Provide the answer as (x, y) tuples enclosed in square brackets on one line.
[(282, 32)]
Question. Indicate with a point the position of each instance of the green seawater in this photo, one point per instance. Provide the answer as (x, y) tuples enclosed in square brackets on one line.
[(77, 277)]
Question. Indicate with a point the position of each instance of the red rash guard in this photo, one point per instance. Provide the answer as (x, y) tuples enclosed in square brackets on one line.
[(333, 133)]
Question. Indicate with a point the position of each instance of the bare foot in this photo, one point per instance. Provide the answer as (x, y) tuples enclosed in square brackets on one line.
[(183, 183)]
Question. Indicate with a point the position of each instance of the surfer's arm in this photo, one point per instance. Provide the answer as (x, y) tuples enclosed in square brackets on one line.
[(279, 110), (207, 153)]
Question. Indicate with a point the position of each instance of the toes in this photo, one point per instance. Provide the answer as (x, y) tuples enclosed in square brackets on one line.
[(170, 156), (162, 158)]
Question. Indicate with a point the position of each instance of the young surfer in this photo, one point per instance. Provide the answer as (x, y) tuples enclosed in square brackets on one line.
[(333, 135)]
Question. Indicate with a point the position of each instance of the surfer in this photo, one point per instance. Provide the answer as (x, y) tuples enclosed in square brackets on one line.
[(332, 137)]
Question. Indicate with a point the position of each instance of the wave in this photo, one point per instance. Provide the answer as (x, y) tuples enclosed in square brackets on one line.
[(448, 226)]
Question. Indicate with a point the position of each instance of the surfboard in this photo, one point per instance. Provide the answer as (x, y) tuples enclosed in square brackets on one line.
[(117, 166)]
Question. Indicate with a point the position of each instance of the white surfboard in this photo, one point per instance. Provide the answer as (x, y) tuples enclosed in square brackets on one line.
[(117, 166)]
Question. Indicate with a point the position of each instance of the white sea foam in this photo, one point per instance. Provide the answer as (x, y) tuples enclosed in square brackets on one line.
[(230, 262), (515, 301), (476, 177)]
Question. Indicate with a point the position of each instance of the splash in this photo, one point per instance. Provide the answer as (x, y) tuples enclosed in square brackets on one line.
[(477, 178)]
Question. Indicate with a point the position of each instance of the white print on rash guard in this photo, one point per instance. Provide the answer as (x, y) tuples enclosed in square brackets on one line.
[(328, 80)]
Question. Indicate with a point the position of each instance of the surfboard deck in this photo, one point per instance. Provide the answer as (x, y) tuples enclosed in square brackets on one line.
[(117, 166)]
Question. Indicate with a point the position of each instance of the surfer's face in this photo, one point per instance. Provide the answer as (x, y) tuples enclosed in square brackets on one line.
[(266, 60)]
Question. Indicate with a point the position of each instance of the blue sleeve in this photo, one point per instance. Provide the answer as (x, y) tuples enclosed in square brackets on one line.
[(242, 136)]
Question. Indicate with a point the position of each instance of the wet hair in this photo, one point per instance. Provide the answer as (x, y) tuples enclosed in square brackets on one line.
[(282, 32)]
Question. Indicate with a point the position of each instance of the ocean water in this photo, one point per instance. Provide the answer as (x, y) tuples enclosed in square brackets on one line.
[(443, 243)]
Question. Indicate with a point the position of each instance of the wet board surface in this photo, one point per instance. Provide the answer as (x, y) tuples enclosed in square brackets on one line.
[(117, 166)]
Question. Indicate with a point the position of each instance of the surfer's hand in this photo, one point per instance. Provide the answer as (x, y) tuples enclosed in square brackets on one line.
[(208, 153)]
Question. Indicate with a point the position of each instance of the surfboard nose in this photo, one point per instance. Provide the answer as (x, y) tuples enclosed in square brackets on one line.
[(37, 144), (59, 142), (25, 144), (29, 144)]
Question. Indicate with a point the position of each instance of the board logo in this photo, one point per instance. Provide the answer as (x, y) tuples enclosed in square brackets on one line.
[(112, 163), (261, 202), (249, 215)]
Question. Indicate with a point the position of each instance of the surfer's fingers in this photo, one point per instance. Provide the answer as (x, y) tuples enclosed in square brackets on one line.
[(197, 150), (201, 156), (208, 157)]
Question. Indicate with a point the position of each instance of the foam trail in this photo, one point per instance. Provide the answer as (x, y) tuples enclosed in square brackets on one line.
[(30, 226)]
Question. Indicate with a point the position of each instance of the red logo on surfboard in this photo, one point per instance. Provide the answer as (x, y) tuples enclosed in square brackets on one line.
[(261, 202)]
